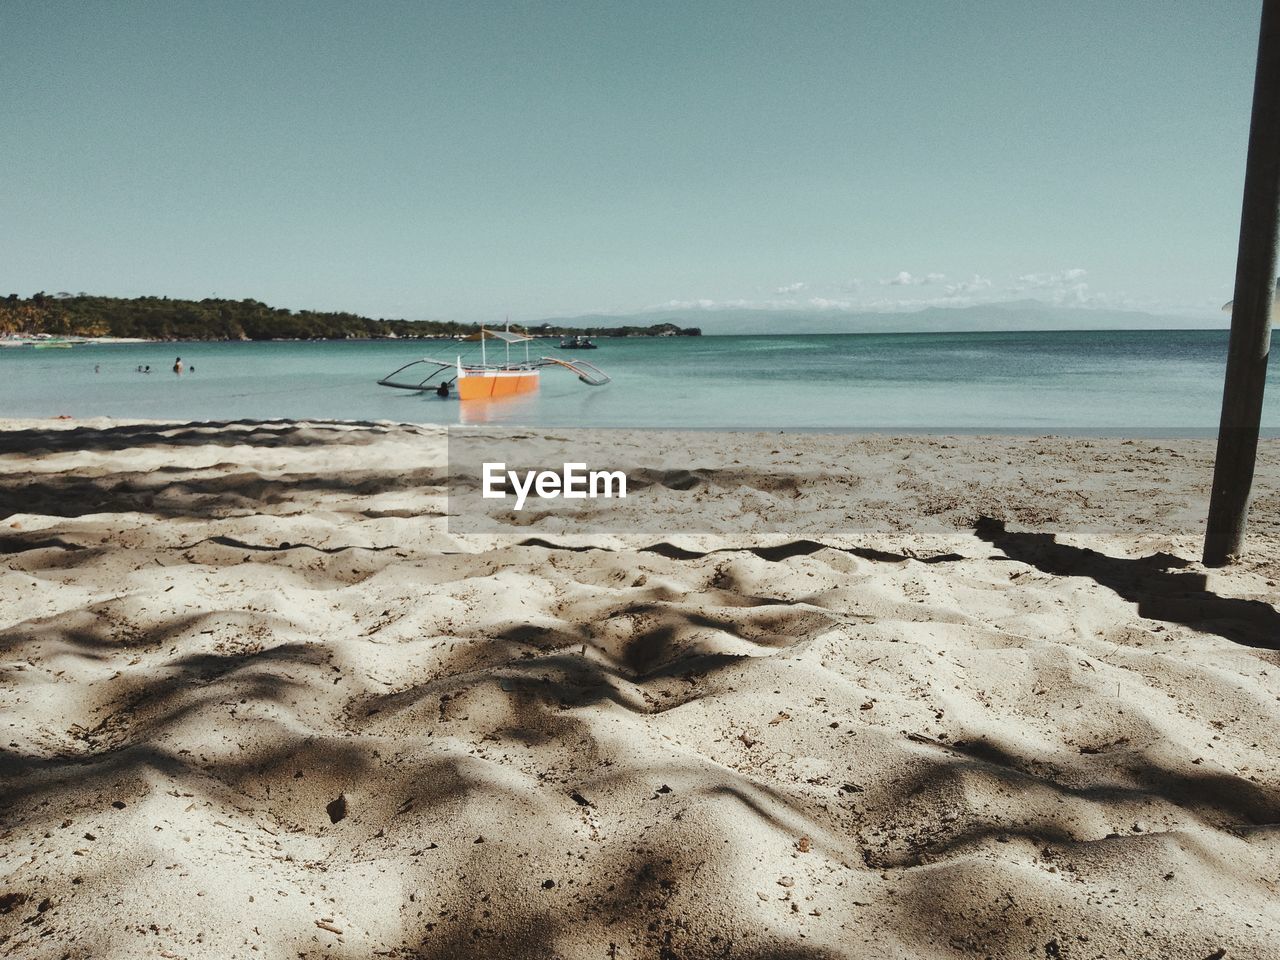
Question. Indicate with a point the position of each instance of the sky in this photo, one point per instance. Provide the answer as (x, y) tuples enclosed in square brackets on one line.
[(474, 160)]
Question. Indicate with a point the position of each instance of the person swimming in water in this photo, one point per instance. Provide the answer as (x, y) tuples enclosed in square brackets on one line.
[(177, 365)]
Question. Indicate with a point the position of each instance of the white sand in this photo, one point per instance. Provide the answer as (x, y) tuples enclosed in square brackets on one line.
[(974, 742)]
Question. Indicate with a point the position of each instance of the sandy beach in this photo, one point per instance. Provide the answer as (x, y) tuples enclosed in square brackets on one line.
[(261, 699)]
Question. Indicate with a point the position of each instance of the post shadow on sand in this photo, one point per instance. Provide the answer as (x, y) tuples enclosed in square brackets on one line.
[(1159, 591)]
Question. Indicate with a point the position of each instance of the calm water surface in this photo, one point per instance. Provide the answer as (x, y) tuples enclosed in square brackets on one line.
[(1148, 381)]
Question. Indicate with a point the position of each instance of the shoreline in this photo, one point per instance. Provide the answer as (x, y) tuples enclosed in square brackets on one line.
[(1266, 433)]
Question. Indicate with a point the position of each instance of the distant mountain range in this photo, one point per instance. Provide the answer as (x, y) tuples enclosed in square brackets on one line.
[(1004, 316)]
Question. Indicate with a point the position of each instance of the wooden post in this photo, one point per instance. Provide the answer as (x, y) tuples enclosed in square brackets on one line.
[(1251, 309)]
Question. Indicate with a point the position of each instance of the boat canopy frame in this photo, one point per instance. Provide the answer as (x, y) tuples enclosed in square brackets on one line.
[(587, 372)]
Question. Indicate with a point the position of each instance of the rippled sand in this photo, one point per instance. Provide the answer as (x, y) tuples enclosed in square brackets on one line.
[(259, 701)]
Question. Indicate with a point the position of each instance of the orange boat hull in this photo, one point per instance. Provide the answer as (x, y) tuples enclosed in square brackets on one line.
[(488, 384)]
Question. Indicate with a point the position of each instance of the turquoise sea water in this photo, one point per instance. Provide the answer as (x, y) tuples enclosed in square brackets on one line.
[(1112, 381)]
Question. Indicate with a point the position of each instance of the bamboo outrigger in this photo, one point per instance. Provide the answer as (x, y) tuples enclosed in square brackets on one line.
[(485, 380)]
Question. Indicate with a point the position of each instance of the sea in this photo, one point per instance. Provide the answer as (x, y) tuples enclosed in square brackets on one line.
[(1148, 383)]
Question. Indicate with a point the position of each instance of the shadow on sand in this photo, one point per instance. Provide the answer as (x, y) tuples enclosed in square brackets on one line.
[(534, 687), (1151, 582), (223, 433)]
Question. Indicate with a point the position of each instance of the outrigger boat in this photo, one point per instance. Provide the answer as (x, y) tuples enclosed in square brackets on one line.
[(485, 380)]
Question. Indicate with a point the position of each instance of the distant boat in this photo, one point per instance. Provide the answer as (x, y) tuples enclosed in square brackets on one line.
[(41, 341), (577, 343), (485, 380)]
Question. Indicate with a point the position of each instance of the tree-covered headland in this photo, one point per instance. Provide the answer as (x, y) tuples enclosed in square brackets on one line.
[(160, 318)]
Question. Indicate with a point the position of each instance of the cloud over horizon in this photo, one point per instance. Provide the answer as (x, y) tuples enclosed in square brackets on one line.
[(906, 279), (1063, 287), (907, 291)]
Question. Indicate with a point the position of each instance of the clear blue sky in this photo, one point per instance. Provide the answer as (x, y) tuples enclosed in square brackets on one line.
[(471, 159)]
